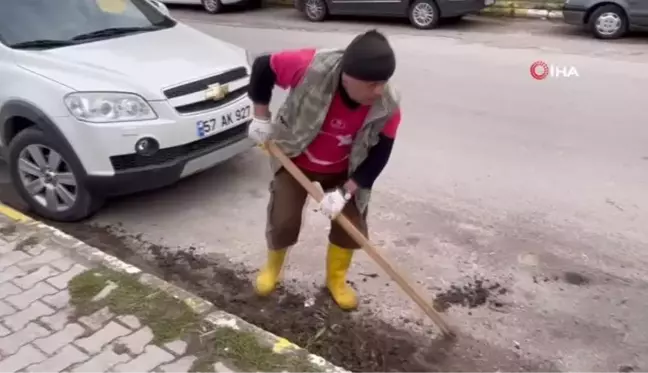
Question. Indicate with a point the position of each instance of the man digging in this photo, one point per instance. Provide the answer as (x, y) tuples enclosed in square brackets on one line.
[(338, 125)]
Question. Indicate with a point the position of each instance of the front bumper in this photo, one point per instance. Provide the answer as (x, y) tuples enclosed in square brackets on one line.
[(113, 167), (182, 161)]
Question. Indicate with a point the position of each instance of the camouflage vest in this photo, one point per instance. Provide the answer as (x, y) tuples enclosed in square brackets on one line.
[(302, 115)]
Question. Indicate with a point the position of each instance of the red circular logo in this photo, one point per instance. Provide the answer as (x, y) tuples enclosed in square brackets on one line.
[(539, 70)]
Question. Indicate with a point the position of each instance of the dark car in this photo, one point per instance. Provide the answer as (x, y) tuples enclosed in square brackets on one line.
[(423, 14), (607, 19)]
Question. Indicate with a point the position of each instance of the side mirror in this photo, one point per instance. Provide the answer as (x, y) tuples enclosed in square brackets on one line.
[(161, 7)]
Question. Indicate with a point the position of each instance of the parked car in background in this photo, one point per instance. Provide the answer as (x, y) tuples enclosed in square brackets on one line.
[(215, 6), (107, 97), (423, 14), (607, 19)]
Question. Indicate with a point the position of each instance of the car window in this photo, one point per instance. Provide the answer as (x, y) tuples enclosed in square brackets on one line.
[(31, 20)]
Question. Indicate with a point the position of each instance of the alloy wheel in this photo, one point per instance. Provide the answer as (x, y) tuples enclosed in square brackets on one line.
[(211, 5), (423, 14), (608, 23), (47, 178), (314, 9)]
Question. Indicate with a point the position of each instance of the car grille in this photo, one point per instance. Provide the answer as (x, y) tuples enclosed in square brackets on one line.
[(202, 85), (181, 152), (211, 104)]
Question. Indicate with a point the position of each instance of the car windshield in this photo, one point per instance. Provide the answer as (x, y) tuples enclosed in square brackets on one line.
[(43, 24)]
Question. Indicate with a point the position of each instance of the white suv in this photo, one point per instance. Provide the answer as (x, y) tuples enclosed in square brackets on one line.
[(107, 97)]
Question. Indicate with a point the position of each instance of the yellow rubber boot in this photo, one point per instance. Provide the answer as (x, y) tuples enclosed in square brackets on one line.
[(338, 262), (267, 279)]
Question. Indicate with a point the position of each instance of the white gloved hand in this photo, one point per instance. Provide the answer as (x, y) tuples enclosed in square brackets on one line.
[(333, 203), (260, 130)]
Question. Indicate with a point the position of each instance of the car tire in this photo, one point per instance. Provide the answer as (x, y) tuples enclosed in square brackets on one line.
[(424, 14), (315, 10), (24, 151), (212, 6), (608, 22)]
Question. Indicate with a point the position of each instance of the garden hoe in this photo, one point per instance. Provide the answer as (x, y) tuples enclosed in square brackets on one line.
[(369, 247)]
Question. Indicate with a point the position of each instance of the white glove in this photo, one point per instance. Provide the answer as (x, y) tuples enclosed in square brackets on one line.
[(333, 203), (260, 130)]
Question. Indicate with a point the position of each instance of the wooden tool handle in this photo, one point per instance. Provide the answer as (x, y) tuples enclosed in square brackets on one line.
[(371, 250)]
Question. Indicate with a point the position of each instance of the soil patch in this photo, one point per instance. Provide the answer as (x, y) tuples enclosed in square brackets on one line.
[(569, 277), (476, 293), (626, 368), (575, 278), (355, 344), (359, 341)]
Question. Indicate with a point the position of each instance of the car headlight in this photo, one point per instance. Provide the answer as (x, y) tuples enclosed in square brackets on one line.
[(106, 107)]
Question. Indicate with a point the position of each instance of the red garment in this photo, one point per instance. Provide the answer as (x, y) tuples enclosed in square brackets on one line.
[(329, 152)]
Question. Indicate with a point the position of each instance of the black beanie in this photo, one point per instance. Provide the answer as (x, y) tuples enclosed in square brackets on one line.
[(369, 57)]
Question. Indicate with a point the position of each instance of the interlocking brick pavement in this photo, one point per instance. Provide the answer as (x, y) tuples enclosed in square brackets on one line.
[(38, 334), (39, 331)]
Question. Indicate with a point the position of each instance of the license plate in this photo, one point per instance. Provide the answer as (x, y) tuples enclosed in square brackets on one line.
[(221, 122), (489, 2)]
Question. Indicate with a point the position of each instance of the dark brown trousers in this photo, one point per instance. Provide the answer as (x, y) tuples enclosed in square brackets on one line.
[(286, 206)]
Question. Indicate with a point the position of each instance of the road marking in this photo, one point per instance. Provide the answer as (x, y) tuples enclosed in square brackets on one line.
[(14, 214)]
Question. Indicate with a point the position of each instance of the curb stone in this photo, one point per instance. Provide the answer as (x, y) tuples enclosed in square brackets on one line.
[(205, 309), (523, 13)]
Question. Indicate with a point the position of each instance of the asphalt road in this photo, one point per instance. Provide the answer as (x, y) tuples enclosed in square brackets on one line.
[(539, 186)]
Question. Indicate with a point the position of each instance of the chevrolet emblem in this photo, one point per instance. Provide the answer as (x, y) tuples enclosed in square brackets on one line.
[(216, 92)]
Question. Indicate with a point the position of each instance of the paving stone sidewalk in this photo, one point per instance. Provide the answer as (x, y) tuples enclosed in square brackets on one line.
[(64, 306)]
